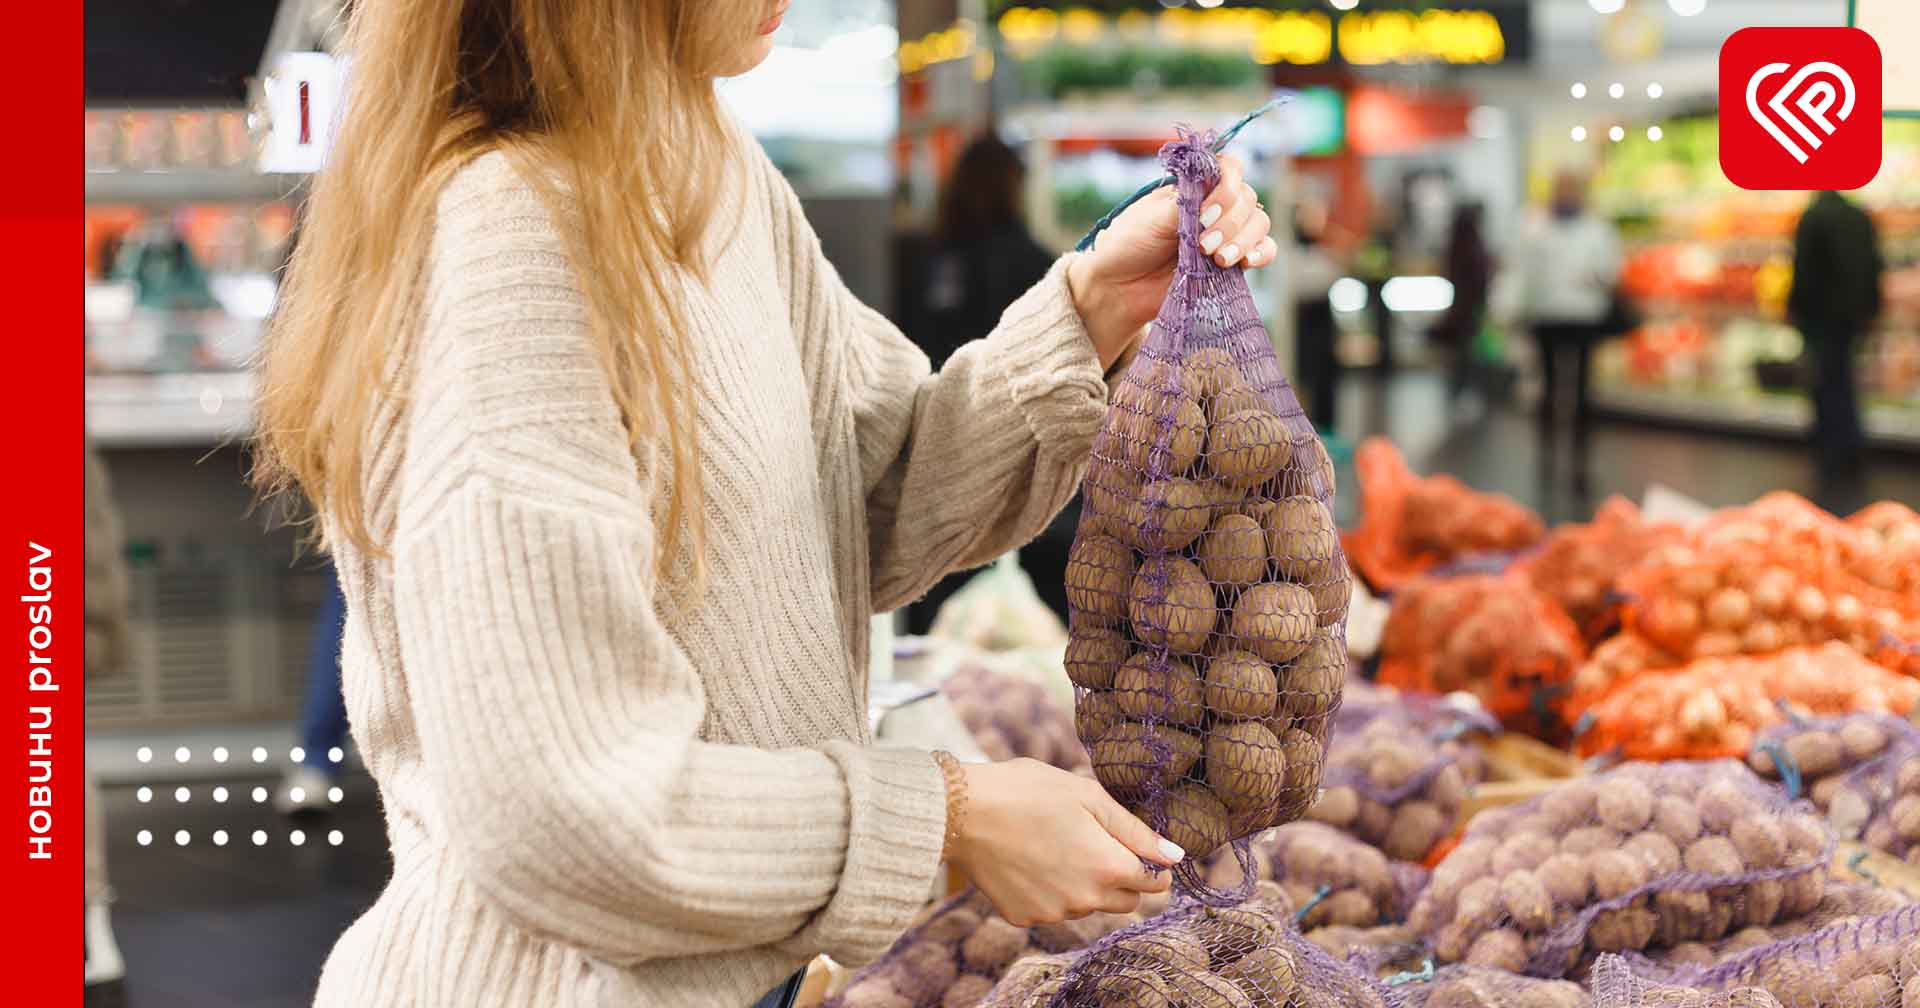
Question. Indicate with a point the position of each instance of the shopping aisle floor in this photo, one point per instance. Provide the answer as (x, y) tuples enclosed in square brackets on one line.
[(244, 925)]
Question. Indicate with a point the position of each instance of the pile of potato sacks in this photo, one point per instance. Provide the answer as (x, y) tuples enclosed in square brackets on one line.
[(1207, 591), (1397, 775), (1822, 752)]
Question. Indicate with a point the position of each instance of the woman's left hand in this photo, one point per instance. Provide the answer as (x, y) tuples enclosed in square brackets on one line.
[(1119, 285)]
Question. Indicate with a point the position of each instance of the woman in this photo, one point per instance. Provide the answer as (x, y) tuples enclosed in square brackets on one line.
[(614, 472)]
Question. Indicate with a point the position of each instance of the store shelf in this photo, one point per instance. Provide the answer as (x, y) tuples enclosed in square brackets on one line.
[(169, 410), (147, 188), (1767, 415)]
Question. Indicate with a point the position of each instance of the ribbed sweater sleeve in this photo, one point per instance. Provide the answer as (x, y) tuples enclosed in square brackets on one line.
[(962, 465), (558, 719)]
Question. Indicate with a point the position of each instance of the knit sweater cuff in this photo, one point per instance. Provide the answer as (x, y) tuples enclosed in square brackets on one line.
[(1046, 363), (896, 829)]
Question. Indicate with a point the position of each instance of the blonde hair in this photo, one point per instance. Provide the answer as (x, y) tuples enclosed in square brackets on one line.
[(607, 108)]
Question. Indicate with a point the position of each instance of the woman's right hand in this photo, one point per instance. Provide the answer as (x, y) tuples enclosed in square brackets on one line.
[(1045, 845)]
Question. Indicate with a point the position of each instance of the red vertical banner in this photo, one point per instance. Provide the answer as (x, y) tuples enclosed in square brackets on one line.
[(43, 413)]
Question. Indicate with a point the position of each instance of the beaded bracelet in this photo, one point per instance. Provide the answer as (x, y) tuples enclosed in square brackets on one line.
[(956, 799)]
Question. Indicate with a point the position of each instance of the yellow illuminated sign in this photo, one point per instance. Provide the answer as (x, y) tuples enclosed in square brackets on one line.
[(1301, 37)]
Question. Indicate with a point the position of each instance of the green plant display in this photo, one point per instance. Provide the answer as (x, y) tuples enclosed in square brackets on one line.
[(1060, 69)]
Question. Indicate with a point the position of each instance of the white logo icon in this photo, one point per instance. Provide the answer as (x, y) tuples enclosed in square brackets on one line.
[(1814, 102)]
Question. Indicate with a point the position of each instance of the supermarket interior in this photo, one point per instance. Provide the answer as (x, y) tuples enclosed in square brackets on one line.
[(1617, 475)]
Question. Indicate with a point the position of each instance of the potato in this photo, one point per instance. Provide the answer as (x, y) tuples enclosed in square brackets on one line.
[(1587, 839), (1311, 685), (876, 994), (1760, 903), (1659, 854), (1626, 929), (1676, 819), (1172, 605), (1331, 595), (1862, 740), (1240, 685), (1265, 974), (1248, 448), (930, 966), (1168, 514), (1374, 821), (1570, 805), (1238, 397), (1302, 540), (966, 992), (1624, 804), (1349, 908), (1501, 949), (1905, 817), (1132, 989), (1615, 873), (1713, 855), (1108, 492), (1204, 990), (1196, 820), (1233, 551), (1526, 900), (1099, 571), (1157, 421), (1760, 841), (1126, 756), (1245, 766), (1310, 474), (993, 946), (1177, 950), (1094, 654), (1448, 789), (1478, 905), (1875, 990), (1304, 755), (1521, 851), (1336, 806), (1274, 621), (1416, 827), (1160, 689), (1817, 753), (1565, 878), (1461, 992), (1209, 371), (1551, 994), (1720, 804), (1095, 714)]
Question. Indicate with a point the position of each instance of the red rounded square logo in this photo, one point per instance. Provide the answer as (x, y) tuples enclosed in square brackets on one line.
[(1800, 108)]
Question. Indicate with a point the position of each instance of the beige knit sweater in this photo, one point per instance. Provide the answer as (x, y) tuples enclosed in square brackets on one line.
[(598, 795)]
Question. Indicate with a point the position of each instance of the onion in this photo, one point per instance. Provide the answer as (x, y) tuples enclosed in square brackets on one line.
[(1716, 643), (1762, 637), (1729, 609), (1771, 591), (1695, 582), (1847, 613), (1810, 604)]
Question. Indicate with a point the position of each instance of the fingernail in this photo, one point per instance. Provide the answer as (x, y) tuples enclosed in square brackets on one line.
[(1172, 851), (1210, 241), (1209, 215), (1230, 254)]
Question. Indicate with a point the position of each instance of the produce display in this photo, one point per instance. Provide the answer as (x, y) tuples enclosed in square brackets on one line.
[(1812, 757), (1615, 985), (1879, 802), (1398, 772), (1206, 584), (1577, 565), (1840, 903), (1643, 856), (1492, 635), (1715, 707), (1329, 877), (1011, 718), (1411, 524), (1248, 955), (957, 951)]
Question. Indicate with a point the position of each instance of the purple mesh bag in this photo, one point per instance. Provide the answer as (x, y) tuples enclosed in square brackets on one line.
[(1010, 718), (1479, 987), (1871, 962), (1206, 585), (1648, 855), (1879, 802), (1840, 902), (957, 952), (1329, 877), (1615, 984), (1397, 772), (1196, 955), (1812, 757)]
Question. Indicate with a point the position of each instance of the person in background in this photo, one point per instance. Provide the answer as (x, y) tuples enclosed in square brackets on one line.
[(1469, 268), (108, 647), (1314, 268), (981, 258), (1571, 265), (323, 714), (1835, 298)]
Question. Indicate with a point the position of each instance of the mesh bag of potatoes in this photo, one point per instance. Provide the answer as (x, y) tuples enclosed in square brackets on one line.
[(1397, 773), (1206, 586), (1010, 717), (1812, 757), (1330, 878), (1248, 955), (1616, 983), (1647, 855), (1478, 987), (956, 953), (1878, 803), (1840, 903), (1871, 962)]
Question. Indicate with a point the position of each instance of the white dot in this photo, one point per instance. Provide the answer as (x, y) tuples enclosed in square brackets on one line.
[(1579, 133), (1616, 90), (259, 838), (182, 754), (1617, 134), (182, 794), (297, 794), (1607, 6), (219, 794), (334, 794), (143, 754), (296, 838), (220, 754), (336, 754), (259, 794), (297, 754), (182, 838), (143, 838), (219, 838), (1654, 90), (1655, 133), (144, 795), (334, 837), (1687, 8), (1579, 90), (259, 754)]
